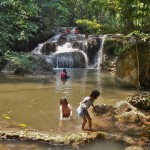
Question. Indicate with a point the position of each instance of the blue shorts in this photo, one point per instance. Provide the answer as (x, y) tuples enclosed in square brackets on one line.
[(83, 113)]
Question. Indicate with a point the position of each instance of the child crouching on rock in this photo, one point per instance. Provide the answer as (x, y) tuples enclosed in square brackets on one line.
[(82, 110)]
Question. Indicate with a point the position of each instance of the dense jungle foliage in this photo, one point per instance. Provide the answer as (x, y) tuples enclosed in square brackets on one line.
[(25, 23)]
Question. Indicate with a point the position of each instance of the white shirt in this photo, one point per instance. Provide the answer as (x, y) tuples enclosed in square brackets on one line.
[(86, 103)]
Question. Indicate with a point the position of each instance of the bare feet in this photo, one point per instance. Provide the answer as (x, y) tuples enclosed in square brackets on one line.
[(87, 129)]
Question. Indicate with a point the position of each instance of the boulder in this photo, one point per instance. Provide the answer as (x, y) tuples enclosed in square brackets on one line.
[(126, 69), (122, 111), (125, 112), (133, 66)]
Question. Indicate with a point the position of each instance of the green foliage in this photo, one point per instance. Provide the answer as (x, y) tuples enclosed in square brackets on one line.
[(139, 36), (22, 60), (114, 46), (109, 28), (131, 15), (118, 50), (15, 22), (23, 21), (90, 27), (52, 14)]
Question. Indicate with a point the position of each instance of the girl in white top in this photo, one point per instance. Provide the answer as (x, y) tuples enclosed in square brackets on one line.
[(65, 109), (84, 105)]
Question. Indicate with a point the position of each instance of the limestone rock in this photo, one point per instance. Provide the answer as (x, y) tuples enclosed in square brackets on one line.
[(133, 67), (125, 112)]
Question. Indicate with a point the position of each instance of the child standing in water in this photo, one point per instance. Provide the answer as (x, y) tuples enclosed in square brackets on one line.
[(65, 109), (82, 110)]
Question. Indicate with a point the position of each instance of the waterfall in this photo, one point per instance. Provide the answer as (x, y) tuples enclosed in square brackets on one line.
[(37, 50), (99, 55), (68, 57), (72, 51), (72, 58)]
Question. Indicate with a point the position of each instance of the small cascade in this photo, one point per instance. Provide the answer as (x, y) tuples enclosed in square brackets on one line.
[(67, 47), (54, 38), (38, 49), (70, 58), (99, 55), (62, 62)]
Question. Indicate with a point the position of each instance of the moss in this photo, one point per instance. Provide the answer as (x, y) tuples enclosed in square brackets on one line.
[(113, 46)]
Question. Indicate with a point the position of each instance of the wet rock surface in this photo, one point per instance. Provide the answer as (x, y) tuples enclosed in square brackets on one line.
[(124, 118), (73, 139)]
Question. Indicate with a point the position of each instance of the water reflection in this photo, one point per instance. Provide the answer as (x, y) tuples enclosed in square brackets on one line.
[(29, 145), (104, 145)]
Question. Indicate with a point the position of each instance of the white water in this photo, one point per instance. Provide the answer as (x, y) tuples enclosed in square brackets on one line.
[(65, 48), (99, 55), (66, 56)]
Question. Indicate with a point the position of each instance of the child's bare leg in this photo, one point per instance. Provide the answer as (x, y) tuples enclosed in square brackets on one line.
[(89, 122), (84, 122)]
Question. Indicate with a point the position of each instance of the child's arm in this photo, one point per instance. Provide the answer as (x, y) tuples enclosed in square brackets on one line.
[(61, 113), (70, 114), (93, 107), (70, 107)]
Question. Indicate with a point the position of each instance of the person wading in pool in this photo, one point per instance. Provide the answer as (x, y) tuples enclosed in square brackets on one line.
[(63, 75)]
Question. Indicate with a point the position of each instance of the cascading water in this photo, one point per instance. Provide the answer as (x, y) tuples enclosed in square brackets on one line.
[(71, 51), (99, 55), (68, 57)]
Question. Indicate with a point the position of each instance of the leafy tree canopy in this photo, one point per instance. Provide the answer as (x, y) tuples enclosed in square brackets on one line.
[(25, 22)]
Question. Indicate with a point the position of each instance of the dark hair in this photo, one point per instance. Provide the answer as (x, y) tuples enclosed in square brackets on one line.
[(95, 94), (63, 99), (64, 70)]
